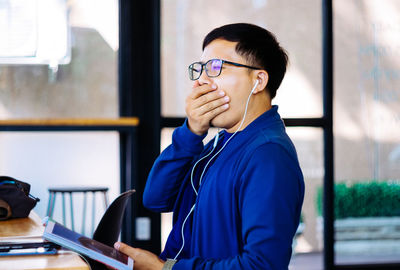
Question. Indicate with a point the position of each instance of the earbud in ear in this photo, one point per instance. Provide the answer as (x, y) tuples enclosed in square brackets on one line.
[(255, 85)]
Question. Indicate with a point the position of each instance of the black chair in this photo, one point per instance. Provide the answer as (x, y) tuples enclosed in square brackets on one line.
[(109, 227)]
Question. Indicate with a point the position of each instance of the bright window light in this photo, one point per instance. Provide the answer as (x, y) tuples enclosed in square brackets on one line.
[(34, 32)]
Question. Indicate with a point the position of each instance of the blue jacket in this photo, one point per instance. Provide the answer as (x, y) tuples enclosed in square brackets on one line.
[(249, 202)]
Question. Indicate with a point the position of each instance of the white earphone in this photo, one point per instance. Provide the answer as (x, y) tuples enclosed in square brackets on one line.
[(255, 86)]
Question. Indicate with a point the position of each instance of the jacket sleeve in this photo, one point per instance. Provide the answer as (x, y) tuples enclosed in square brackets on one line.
[(269, 200), (170, 169)]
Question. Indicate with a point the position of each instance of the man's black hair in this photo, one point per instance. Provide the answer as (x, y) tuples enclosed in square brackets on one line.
[(258, 46)]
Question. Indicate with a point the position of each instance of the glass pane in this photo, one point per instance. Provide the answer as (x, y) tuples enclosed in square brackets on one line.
[(84, 84), (308, 243), (185, 23), (58, 159), (309, 145), (367, 131)]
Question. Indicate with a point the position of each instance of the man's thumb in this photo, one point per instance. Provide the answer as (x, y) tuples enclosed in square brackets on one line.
[(119, 246)]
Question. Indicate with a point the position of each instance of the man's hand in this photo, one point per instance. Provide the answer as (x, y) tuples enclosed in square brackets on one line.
[(144, 260), (202, 105)]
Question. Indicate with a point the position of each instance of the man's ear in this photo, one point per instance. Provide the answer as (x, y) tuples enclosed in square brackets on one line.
[(262, 77)]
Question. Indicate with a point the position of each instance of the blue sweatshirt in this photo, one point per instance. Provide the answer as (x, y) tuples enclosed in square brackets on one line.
[(248, 204)]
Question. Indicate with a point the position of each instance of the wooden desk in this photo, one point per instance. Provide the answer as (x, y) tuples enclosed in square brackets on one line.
[(30, 229)]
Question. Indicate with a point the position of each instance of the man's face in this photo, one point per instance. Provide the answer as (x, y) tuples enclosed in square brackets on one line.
[(236, 82)]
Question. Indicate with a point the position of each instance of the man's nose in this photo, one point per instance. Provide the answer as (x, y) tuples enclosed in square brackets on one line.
[(204, 79)]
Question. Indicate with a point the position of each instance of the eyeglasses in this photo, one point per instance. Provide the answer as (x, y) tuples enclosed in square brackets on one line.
[(212, 67)]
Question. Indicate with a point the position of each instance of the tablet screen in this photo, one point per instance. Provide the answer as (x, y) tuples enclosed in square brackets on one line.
[(89, 243), (63, 236)]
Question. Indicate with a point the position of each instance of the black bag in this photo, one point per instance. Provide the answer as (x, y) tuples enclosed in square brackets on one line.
[(15, 200)]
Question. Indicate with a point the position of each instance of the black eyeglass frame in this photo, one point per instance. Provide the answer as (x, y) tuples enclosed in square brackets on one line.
[(220, 70)]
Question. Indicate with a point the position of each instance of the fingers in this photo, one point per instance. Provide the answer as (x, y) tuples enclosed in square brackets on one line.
[(210, 100), (217, 110), (199, 90), (211, 108), (124, 248), (203, 104), (143, 259)]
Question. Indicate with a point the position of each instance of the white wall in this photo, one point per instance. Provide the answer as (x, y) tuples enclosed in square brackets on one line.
[(57, 159)]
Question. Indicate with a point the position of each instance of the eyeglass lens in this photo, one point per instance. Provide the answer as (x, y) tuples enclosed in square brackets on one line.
[(212, 68), (195, 71)]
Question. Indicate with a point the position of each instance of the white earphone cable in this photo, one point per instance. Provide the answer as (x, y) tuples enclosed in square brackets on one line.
[(183, 236), (240, 126), (205, 167), (194, 166)]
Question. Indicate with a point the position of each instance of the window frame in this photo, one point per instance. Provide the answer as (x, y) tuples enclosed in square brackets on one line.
[(142, 18)]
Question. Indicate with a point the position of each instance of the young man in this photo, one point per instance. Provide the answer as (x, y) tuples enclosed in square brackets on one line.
[(236, 200)]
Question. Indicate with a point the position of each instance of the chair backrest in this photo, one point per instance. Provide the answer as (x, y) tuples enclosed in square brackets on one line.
[(109, 227), (84, 190)]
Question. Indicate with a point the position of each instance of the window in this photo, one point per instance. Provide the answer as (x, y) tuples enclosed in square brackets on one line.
[(184, 25), (367, 131), (84, 86)]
